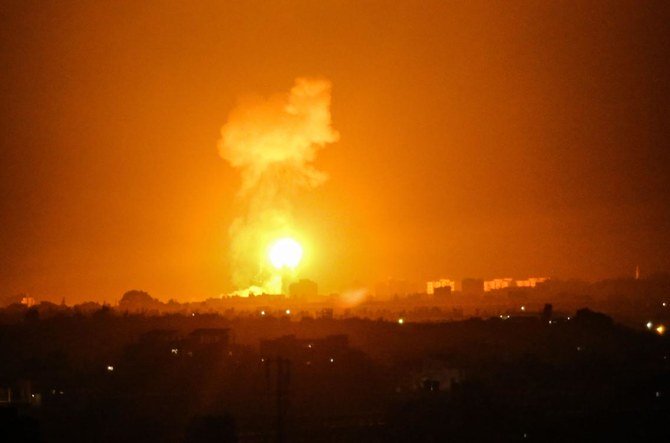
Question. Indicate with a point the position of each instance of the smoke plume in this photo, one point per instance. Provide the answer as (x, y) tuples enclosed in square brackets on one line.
[(273, 142)]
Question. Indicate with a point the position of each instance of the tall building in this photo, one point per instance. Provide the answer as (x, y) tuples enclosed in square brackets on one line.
[(442, 291), (497, 283), (472, 286), (303, 289), (431, 286), (530, 282)]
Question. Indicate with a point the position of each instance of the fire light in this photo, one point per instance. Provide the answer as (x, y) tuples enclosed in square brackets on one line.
[(285, 253)]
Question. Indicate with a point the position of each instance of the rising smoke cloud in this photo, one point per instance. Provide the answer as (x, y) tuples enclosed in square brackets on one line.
[(273, 143)]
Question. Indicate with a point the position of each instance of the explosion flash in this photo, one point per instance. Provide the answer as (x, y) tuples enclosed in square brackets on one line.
[(273, 142), (285, 253)]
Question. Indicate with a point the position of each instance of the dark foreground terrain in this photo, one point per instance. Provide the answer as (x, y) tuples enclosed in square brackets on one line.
[(114, 377)]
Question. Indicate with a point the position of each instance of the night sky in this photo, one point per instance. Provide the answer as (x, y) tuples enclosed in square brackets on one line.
[(477, 139)]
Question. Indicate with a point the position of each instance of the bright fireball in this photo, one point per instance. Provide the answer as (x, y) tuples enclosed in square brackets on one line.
[(285, 253)]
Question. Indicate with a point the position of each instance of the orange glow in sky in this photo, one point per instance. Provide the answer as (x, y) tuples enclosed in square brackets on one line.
[(393, 140)]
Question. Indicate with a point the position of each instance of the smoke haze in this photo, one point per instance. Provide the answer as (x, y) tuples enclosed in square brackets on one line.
[(273, 142)]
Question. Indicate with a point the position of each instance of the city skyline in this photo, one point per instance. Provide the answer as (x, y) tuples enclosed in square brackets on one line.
[(379, 221)]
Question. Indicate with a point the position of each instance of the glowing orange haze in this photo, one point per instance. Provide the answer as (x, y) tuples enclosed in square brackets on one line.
[(273, 142), (475, 141)]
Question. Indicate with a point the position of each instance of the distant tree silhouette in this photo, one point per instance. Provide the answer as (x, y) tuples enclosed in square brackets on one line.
[(12, 299), (104, 311), (88, 307), (135, 300)]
